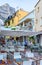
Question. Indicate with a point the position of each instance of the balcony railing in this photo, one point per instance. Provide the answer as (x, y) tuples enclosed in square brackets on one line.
[(26, 28)]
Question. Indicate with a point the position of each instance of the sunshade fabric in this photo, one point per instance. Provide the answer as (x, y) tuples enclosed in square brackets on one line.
[(17, 33)]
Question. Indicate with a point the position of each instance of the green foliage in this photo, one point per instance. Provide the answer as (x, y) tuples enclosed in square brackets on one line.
[(32, 38), (13, 29), (6, 21), (6, 26)]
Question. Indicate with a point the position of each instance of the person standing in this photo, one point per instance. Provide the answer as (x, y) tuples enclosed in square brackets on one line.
[(26, 44)]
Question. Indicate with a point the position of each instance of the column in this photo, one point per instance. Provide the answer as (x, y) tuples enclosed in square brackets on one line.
[(23, 24), (41, 40)]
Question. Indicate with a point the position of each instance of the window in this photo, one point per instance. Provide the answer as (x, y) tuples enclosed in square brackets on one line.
[(25, 24), (5, 23), (36, 21), (38, 38), (41, 21), (8, 23), (12, 20), (38, 9), (30, 26)]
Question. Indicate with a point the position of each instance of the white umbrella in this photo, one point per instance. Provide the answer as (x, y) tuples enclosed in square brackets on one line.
[(16, 33), (1, 22)]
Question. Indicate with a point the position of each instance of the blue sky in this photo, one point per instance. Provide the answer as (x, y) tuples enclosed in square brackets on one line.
[(27, 5)]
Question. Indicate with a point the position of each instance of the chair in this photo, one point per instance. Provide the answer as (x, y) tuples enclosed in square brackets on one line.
[(12, 50), (7, 49), (4, 56), (15, 63), (27, 62), (40, 62), (17, 55), (21, 49), (29, 54)]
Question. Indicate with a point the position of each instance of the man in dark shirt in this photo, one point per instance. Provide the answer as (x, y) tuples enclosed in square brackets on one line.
[(26, 44)]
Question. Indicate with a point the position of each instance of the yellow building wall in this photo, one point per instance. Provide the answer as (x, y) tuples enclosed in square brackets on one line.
[(15, 21), (19, 15), (11, 22)]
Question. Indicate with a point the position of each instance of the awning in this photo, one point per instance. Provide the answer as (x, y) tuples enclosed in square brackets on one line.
[(17, 33)]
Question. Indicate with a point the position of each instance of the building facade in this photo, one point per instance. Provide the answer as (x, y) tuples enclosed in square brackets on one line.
[(28, 21), (38, 20), (14, 19), (38, 16)]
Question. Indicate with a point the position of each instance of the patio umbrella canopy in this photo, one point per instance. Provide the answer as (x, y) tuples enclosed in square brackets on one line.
[(17, 33)]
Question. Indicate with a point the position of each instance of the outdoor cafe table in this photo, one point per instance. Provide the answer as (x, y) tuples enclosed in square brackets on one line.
[(17, 58), (2, 58), (18, 61), (9, 49), (21, 49), (8, 62), (36, 59)]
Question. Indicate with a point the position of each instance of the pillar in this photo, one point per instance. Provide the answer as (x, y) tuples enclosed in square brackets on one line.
[(41, 40), (23, 24)]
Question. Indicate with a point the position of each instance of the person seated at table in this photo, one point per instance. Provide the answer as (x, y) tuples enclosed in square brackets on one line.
[(2, 41), (26, 44), (31, 43), (18, 41), (13, 41)]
